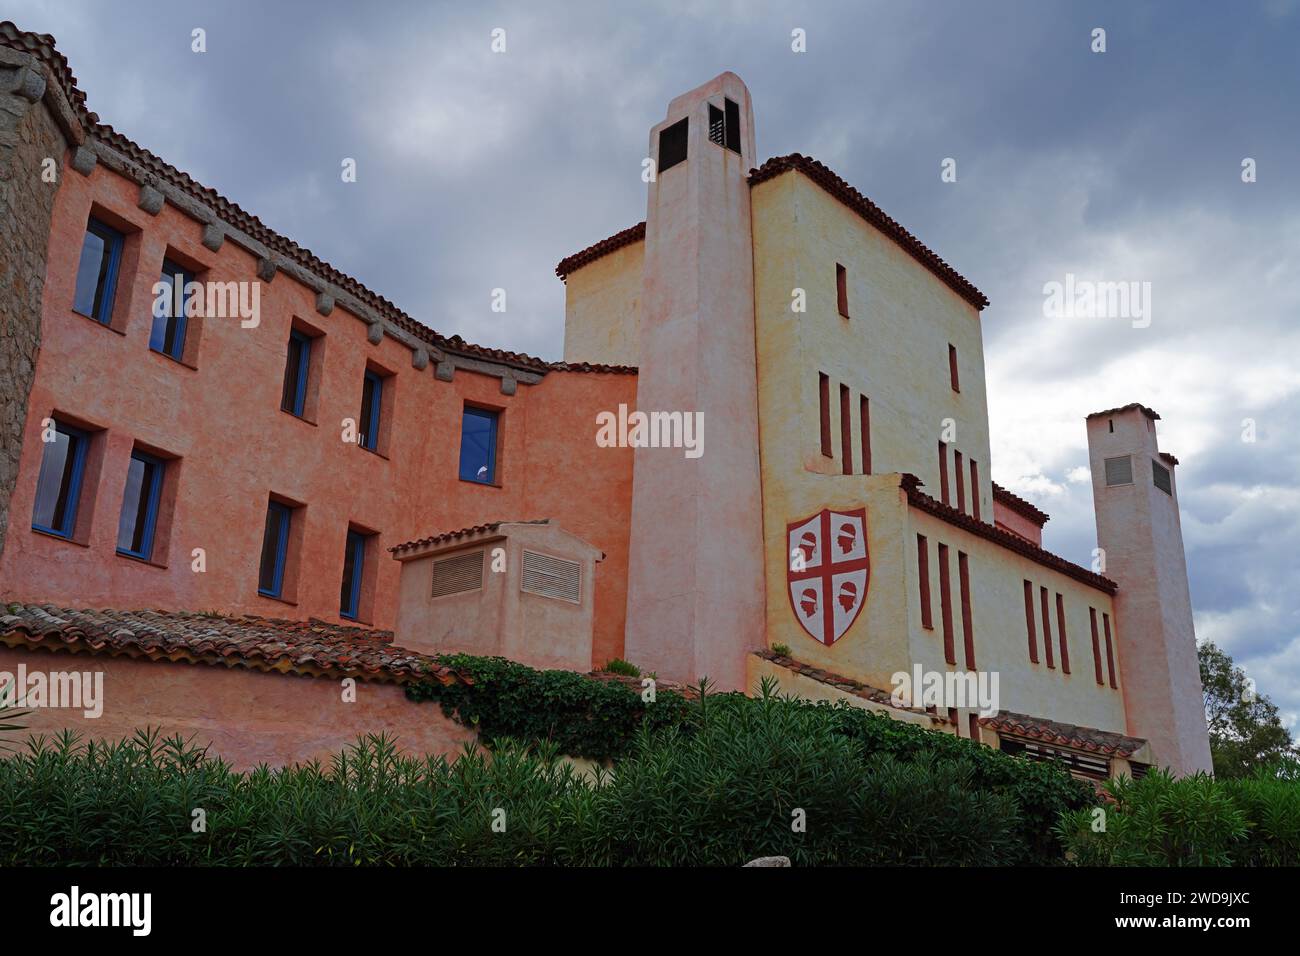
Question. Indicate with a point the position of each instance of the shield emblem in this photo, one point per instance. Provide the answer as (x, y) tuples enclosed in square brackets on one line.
[(827, 570)]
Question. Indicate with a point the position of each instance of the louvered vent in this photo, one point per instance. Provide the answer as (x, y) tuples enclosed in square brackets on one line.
[(458, 574), (1119, 471), (1160, 475), (552, 577)]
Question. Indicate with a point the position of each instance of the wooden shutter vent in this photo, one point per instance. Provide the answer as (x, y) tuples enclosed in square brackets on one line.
[(552, 577), (457, 574)]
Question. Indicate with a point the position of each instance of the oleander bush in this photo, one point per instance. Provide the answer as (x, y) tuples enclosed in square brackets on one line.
[(1190, 821)]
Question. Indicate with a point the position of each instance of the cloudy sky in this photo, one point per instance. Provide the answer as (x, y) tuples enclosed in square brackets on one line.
[(479, 170)]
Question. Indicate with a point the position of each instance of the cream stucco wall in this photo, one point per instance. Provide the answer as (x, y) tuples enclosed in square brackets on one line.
[(602, 308)]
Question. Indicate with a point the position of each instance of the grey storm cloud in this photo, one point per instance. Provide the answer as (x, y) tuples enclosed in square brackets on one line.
[(479, 171)]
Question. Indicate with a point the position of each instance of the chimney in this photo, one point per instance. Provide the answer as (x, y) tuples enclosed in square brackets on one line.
[(695, 577), (1136, 501)]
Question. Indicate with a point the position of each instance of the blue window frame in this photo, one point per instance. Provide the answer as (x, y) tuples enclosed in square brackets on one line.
[(478, 445), (354, 561), (372, 398), (58, 488), (168, 335), (139, 518), (101, 255), (294, 396), (275, 545)]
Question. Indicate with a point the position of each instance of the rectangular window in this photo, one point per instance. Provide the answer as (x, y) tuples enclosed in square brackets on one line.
[(1119, 471), (846, 431), (354, 560), (943, 472), (1029, 623), (945, 606), (952, 368), (973, 725), (478, 445), (168, 334), (724, 125), (1160, 476), (824, 408), (1047, 629), (975, 489), (275, 547), (293, 398), (1110, 650), (101, 255), (1096, 647), (842, 289), (1060, 633), (967, 624), (960, 474), (672, 145), (139, 518), (923, 576), (58, 488), (864, 425), (952, 719), (372, 395)]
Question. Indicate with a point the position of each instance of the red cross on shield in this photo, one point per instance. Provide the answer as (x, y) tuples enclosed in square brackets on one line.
[(827, 571)]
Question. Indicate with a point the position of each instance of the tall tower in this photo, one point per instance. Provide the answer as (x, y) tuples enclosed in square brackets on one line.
[(1138, 527), (695, 577)]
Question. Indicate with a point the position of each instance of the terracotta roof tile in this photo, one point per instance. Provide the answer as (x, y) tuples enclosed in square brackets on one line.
[(1019, 505), (314, 648), (1128, 408), (572, 263), (1013, 542), (873, 214), (1064, 735), (840, 682), (470, 532)]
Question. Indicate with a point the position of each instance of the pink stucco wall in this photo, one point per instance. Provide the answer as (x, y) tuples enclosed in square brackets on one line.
[(247, 717), (220, 417)]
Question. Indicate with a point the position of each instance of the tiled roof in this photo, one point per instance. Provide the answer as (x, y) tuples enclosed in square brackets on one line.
[(1013, 542), (1128, 408), (873, 214), (840, 682), (313, 648), (593, 252), (1169, 458), (1019, 505), (1064, 735), (471, 532), (42, 46)]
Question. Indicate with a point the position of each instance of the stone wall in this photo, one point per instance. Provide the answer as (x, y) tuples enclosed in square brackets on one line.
[(28, 135)]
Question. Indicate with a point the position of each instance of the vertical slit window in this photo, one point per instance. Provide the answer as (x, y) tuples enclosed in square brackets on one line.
[(1096, 647), (864, 425), (168, 333), (1047, 629), (731, 111), (975, 489), (1029, 623), (372, 399), (923, 577), (297, 362), (961, 481), (1060, 633), (824, 408), (967, 623), (842, 289), (1110, 650), (101, 256), (58, 487), (846, 431), (943, 472), (945, 606), (973, 725), (139, 517), (952, 368), (275, 546)]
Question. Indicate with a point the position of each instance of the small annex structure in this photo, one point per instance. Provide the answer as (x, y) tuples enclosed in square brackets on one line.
[(829, 512)]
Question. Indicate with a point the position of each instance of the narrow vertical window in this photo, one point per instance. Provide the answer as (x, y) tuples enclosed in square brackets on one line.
[(943, 472), (846, 431), (672, 144), (923, 576), (1029, 623), (842, 289), (168, 333), (945, 606), (1047, 630), (952, 719), (1096, 647), (731, 140), (275, 548), (372, 400), (957, 469), (824, 406), (101, 254), (1110, 650), (973, 725), (58, 487), (139, 517), (293, 397), (354, 559), (478, 445), (1060, 633), (967, 623), (864, 425), (975, 489), (952, 368)]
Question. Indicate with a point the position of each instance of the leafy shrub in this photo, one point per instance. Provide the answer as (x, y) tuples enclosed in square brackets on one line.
[(620, 666), (781, 650), (1191, 821)]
